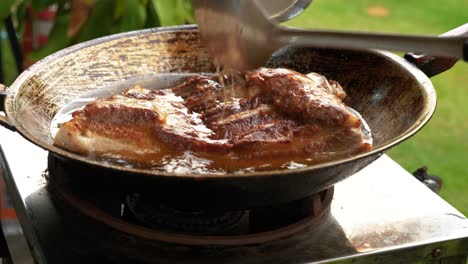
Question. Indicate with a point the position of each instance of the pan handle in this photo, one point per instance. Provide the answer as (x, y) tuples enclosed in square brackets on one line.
[(3, 118), (433, 65)]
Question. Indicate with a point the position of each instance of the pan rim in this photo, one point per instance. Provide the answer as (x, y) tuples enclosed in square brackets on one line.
[(429, 94)]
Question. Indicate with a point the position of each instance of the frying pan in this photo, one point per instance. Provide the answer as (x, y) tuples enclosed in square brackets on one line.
[(394, 97)]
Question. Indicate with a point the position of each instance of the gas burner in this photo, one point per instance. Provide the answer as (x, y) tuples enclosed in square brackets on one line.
[(369, 221), (144, 217), (141, 210)]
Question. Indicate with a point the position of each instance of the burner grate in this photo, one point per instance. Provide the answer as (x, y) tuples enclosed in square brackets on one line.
[(141, 210), (147, 218)]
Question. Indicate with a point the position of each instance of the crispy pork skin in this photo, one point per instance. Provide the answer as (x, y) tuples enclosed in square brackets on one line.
[(267, 116)]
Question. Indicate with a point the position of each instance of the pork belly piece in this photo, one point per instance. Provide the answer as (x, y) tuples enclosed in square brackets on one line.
[(310, 97), (138, 121), (266, 114)]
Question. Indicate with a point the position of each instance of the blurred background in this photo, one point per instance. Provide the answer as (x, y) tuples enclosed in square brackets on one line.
[(45, 26)]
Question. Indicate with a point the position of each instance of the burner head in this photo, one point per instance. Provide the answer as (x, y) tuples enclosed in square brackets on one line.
[(150, 219), (144, 211)]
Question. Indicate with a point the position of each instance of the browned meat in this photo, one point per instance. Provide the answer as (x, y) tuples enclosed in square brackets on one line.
[(273, 115), (311, 97)]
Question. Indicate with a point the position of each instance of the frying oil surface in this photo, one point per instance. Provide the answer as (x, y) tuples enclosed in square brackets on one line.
[(178, 161)]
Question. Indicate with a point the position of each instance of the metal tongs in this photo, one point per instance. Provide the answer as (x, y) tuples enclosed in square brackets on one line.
[(238, 34)]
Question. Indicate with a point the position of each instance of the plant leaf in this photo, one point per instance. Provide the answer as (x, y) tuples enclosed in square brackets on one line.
[(188, 11), (100, 22), (5, 8), (120, 8), (57, 39), (20, 15), (168, 12), (41, 4), (134, 16), (79, 13), (152, 20)]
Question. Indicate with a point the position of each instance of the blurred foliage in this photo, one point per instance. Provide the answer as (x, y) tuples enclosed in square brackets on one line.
[(81, 20), (5, 8)]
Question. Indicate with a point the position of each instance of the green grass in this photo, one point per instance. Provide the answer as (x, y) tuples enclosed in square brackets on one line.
[(442, 144)]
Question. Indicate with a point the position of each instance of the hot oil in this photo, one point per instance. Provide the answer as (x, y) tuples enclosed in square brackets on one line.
[(151, 82), (173, 161), (226, 86), (187, 161), (230, 80)]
